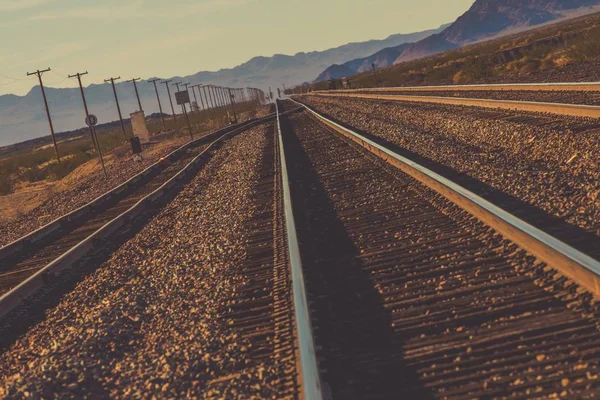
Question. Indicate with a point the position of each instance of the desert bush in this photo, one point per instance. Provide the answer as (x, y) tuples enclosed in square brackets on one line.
[(6, 185)]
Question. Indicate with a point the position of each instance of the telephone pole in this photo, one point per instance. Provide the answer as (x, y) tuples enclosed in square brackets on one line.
[(39, 75), (185, 111), (200, 94), (375, 75), (188, 90), (207, 97), (170, 99), (85, 107), (162, 118), (136, 91), (196, 98), (112, 81), (214, 94), (231, 100)]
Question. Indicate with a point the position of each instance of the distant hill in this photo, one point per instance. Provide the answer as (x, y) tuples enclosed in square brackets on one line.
[(23, 117), (484, 20), (489, 18), (383, 58)]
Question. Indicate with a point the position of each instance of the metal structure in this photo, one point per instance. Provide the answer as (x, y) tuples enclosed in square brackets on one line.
[(311, 380)]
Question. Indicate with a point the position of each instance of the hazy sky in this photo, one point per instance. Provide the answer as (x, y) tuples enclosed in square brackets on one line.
[(147, 38)]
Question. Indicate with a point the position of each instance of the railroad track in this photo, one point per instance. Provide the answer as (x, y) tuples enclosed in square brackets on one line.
[(573, 110), (364, 278), (411, 296), (29, 263)]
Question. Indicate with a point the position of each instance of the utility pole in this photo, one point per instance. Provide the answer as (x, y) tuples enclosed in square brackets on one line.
[(85, 107), (188, 90), (206, 96), (196, 98), (112, 81), (375, 75), (39, 75), (185, 111), (136, 91), (214, 92), (95, 141), (200, 94), (170, 99), (162, 118), (231, 99)]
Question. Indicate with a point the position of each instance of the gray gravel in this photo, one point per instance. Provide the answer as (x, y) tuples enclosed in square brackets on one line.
[(548, 162), (588, 98), (147, 323)]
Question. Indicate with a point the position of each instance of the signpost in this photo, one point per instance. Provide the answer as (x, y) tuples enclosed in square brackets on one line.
[(182, 97), (91, 120)]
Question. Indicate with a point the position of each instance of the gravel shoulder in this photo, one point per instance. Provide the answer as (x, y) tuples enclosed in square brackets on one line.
[(543, 169), (150, 321)]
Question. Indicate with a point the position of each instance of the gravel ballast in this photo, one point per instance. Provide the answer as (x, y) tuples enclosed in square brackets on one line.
[(149, 321), (544, 162)]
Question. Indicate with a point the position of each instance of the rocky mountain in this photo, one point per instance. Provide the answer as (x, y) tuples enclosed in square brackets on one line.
[(484, 20), (489, 18), (383, 58), (23, 117)]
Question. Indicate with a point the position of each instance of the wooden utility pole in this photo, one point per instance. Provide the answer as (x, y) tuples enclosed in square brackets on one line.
[(209, 105), (231, 100), (185, 111), (195, 97), (39, 75), (188, 90), (136, 91), (85, 107), (375, 75), (112, 81), (200, 94), (162, 118), (214, 93), (170, 99)]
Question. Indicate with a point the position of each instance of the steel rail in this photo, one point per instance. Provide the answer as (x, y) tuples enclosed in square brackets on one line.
[(311, 381), (550, 87), (574, 264), (573, 110), (16, 296)]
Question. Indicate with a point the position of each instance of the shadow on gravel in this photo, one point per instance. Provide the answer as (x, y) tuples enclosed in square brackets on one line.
[(359, 355), (573, 235), (33, 311)]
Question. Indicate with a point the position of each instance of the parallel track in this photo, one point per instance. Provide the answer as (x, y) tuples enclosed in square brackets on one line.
[(413, 297), (573, 110), (27, 270)]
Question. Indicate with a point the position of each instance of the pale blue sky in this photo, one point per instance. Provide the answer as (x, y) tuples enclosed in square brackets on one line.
[(147, 38)]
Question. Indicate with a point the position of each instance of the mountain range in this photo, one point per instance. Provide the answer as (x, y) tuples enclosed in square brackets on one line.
[(24, 117), (484, 20)]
